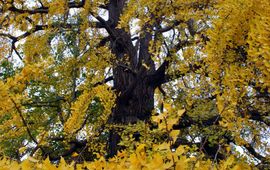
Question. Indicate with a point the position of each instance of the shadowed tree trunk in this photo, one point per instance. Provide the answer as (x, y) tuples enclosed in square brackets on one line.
[(135, 99)]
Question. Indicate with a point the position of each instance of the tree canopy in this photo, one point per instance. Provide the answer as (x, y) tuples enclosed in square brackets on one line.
[(169, 84)]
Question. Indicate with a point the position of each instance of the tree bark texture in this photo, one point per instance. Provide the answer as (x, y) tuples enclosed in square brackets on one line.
[(135, 100)]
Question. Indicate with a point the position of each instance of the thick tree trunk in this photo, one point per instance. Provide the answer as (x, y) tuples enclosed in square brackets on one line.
[(135, 100)]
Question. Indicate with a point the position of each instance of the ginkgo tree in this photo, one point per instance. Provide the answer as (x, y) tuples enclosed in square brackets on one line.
[(87, 79)]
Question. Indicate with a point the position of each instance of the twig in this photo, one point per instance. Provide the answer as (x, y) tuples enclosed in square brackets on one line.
[(206, 138), (24, 121), (215, 158)]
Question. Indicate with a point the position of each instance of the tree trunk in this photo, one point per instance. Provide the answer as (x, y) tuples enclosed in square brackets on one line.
[(135, 100)]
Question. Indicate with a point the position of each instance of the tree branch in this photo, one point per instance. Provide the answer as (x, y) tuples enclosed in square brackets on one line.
[(159, 76), (43, 9), (168, 28), (24, 121), (26, 125), (255, 115), (104, 81), (15, 50), (103, 41), (252, 151), (74, 145)]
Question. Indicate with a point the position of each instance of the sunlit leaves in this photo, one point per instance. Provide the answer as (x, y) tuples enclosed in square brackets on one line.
[(259, 43), (140, 159), (80, 107), (57, 94), (237, 61)]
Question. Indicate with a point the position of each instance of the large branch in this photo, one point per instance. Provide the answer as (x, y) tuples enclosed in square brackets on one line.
[(104, 24), (15, 39), (187, 121), (43, 9), (159, 76), (257, 116), (104, 81), (252, 151), (249, 148), (37, 28)]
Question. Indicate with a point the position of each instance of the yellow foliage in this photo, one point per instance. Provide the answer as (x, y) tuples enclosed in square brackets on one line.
[(58, 7), (138, 160), (56, 91)]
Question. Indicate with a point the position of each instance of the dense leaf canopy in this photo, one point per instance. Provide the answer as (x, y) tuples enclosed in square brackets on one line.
[(168, 84)]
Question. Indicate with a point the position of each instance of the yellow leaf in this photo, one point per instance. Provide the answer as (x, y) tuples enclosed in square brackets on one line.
[(140, 153), (75, 154), (174, 134), (180, 150), (163, 146), (237, 167), (156, 162), (182, 164), (135, 163), (157, 118), (62, 164), (171, 122), (180, 112), (47, 165), (26, 165), (161, 126), (168, 107), (22, 149)]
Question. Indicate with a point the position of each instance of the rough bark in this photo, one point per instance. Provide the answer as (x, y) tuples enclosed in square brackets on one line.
[(135, 99)]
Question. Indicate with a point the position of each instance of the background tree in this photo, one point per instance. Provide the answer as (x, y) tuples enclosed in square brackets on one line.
[(88, 72)]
